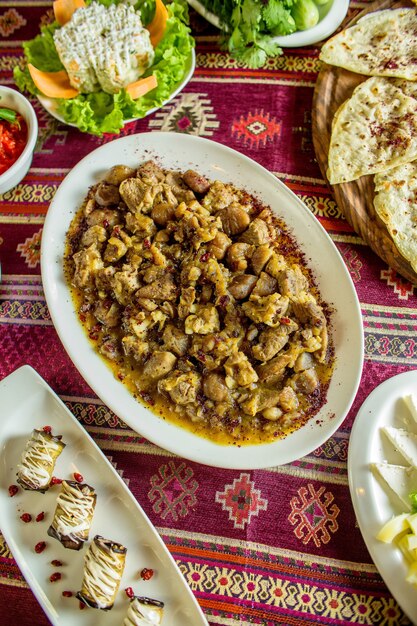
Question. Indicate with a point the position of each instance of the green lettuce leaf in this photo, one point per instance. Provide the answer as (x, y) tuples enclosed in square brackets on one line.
[(99, 112)]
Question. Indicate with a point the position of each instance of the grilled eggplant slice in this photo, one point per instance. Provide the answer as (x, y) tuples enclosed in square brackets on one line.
[(144, 612), (103, 569), (73, 514), (37, 464)]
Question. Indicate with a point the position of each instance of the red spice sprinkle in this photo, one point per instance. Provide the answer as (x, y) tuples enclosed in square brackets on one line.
[(120, 376), (67, 594), (13, 489), (40, 516), (146, 244), (78, 477), (55, 480), (146, 574), (26, 517), (47, 429), (205, 257), (40, 547), (55, 576), (56, 563), (82, 317), (105, 223), (285, 320), (129, 592)]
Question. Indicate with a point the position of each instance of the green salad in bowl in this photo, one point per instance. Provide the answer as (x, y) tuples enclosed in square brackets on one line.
[(104, 62)]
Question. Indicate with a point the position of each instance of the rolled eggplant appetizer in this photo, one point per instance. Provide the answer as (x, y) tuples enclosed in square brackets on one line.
[(103, 569), (144, 612), (73, 514), (36, 467)]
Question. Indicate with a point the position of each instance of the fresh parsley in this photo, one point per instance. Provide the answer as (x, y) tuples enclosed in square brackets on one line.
[(250, 25)]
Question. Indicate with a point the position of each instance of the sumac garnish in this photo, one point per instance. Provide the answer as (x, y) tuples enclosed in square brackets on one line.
[(55, 577), (40, 547), (146, 573)]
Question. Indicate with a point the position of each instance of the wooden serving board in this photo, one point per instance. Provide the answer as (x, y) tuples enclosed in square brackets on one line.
[(355, 199)]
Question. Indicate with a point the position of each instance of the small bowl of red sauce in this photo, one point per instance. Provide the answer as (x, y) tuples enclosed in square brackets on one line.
[(18, 134)]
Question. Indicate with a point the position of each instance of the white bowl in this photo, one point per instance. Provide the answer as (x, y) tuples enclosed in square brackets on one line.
[(13, 99), (332, 15)]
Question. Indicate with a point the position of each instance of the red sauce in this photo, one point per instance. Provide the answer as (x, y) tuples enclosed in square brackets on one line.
[(13, 139)]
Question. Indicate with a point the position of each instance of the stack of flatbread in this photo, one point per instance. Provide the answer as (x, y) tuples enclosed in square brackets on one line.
[(375, 130)]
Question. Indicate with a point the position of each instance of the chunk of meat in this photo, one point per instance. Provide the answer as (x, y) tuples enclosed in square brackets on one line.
[(303, 362), (204, 321), (260, 399), (292, 282), (274, 370), (266, 309), (140, 224), (241, 286), (219, 245), (150, 171), (182, 388), (115, 250), (175, 340), (87, 263), (238, 255), (271, 341), (163, 288), (239, 371), (135, 347), (213, 349), (159, 364), (308, 311), (266, 285), (118, 173), (288, 399), (260, 258), (124, 283), (219, 196), (196, 182), (163, 212), (257, 233), (107, 195), (276, 265), (107, 313), (94, 235), (109, 348), (104, 217), (136, 194), (234, 219), (214, 387), (306, 381)]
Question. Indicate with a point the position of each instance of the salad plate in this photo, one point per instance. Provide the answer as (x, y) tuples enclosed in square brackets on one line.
[(117, 516), (51, 105), (331, 14), (216, 162), (373, 507)]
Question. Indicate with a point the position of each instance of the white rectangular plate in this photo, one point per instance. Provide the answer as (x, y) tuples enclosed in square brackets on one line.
[(27, 402)]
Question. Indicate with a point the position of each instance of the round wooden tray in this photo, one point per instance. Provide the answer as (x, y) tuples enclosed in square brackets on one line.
[(355, 199)]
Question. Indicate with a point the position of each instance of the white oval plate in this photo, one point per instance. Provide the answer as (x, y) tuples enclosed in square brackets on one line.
[(332, 15), (27, 402), (372, 505), (50, 104), (178, 151)]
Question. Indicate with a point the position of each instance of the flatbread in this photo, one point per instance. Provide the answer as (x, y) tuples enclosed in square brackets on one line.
[(374, 130), (395, 202), (383, 43)]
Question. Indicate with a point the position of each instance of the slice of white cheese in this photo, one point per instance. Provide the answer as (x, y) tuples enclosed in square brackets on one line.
[(400, 480), (411, 403), (404, 442)]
